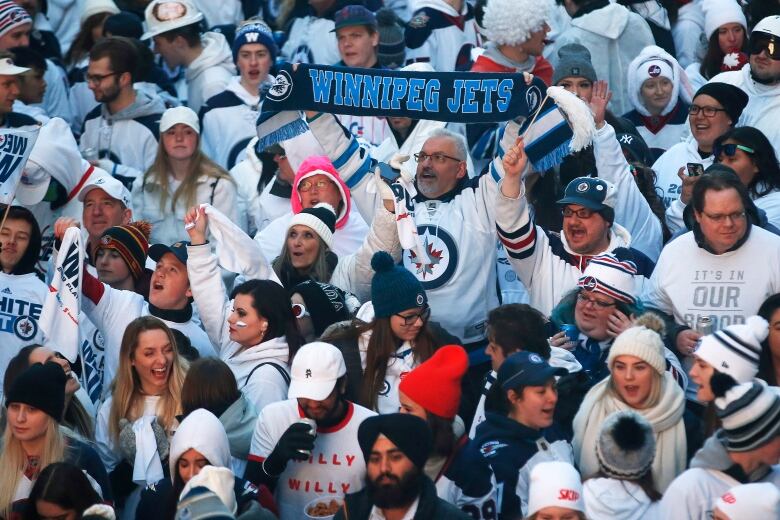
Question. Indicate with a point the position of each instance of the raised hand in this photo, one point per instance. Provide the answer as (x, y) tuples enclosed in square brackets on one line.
[(599, 101), (196, 223)]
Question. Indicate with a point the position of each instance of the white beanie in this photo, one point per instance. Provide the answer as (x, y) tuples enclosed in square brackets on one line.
[(219, 481), (641, 342), (721, 12), (555, 484), (759, 500), (736, 349), (652, 62), (321, 219), (511, 22), (96, 7)]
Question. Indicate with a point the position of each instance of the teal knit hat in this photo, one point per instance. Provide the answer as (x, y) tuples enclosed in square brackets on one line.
[(394, 289)]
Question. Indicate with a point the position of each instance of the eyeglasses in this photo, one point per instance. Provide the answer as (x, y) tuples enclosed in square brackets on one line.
[(299, 311), (598, 303), (730, 150), (412, 319), (706, 111), (437, 158), (581, 213), (96, 79), (759, 44), (720, 218), (305, 186)]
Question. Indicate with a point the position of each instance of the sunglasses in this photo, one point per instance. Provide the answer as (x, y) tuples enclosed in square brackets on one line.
[(730, 150), (299, 311), (759, 44)]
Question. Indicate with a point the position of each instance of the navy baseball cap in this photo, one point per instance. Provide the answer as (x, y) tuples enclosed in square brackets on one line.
[(354, 15), (526, 369), (592, 193), (179, 250)]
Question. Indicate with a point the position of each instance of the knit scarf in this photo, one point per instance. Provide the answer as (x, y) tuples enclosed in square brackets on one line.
[(439, 96), (665, 418)]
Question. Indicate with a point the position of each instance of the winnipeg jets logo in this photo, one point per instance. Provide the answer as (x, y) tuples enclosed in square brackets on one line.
[(532, 97), (281, 88), (25, 327), (654, 71), (442, 257)]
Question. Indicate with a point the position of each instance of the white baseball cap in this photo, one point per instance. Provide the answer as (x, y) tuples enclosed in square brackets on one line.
[(315, 369), (166, 15), (7, 68), (33, 185), (176, 115), (112, 186)]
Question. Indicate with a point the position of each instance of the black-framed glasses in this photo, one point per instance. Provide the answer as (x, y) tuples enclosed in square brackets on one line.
[(436, 158), (598, 303), (412, 318), (706, 111), (770, 44), (96, 79), (730, 150), (580, 213)]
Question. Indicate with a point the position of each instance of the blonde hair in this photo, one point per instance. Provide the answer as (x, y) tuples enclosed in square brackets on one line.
[(127, 398), (199, 165), (653, 398), (13, 460), (319, 271)]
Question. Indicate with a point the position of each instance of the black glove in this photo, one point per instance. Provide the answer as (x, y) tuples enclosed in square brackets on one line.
[(295, 444)]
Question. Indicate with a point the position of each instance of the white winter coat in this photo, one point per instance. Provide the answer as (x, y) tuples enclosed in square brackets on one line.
[(612, 499), (209, 73)]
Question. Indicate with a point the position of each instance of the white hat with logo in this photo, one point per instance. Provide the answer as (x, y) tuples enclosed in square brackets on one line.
[(315, 369), (555, 484), (112, 186), (7, 68), (166, 15)]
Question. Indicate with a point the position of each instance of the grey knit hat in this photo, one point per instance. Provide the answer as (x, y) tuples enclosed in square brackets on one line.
[(391, 52), (574, 60), (626, 446)]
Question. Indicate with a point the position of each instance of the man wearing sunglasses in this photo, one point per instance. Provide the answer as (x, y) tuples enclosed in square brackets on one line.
[(760, 79)]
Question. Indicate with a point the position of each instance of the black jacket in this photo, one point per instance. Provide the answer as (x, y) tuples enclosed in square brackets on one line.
[(357, 506)]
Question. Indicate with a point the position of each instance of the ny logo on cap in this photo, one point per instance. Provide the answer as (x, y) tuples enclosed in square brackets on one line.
[(626, 139), (308, 373)]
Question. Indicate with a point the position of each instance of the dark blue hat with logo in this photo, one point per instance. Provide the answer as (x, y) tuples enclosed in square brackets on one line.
[(526, 369), (354, 15), (592, 193), (178, 249), (394, 289)]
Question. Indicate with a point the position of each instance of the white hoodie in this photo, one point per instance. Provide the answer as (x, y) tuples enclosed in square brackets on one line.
[(222, 12), (200, 431), (612, 499), (209, 73), (614, 36)]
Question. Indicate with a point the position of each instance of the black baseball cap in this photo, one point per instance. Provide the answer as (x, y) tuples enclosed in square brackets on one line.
[(526, 369), (178, 249)]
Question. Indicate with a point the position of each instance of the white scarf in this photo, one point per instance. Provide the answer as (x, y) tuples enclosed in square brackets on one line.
[(665, 418)]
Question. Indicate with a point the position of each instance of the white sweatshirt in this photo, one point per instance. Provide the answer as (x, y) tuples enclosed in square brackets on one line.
[(209, 73)]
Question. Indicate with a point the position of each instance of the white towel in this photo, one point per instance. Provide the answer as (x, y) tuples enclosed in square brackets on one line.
[(147, 469)]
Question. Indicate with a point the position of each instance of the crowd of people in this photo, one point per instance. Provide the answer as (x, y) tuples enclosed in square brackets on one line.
[(386, 317)]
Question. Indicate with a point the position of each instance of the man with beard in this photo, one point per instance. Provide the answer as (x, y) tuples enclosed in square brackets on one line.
[(396, 447), (760, 80), (121, 134), (305, 447)]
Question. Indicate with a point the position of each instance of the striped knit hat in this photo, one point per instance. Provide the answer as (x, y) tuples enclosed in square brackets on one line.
[(750, 414), (131, 242), (12, 16), (735, 350), (608, 275)]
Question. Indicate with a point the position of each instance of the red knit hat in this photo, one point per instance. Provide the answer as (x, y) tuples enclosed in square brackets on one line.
[(435, 384)]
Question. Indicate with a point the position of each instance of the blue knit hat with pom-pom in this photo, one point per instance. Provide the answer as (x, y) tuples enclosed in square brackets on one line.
[(394, 289)]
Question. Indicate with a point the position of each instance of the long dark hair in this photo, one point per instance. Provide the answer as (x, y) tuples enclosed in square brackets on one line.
[(764, 158), (646, 482), (63, 484), (443, 435), (713, 59), (29, 259), (209, 384), (271, 301), (84, 42), (766, 368)]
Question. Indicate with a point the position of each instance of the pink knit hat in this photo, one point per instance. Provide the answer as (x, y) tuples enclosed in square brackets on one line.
[(321, 165)]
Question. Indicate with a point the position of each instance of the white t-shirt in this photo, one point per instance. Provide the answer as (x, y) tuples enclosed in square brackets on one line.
[(336, 466)]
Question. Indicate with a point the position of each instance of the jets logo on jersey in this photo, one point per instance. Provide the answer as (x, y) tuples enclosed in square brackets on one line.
[(490, 448), (442, 261), (385, 390), (97, 341), (25, 327)]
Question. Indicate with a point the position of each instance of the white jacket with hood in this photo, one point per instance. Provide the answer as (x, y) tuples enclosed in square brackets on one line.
[(228, 123), (209, 73), (612, 499), (128, 138), (614, 36), (690, 42), (200, 431), (311, 40)]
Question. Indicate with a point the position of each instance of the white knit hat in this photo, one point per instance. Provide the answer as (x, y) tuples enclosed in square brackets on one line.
[(736, 349), (555, 484), (758, 500), (721, 12), (219, 481), (653, 61), (749, 413), (641, 342), (321, 219), (510, 22), (97, 6)]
